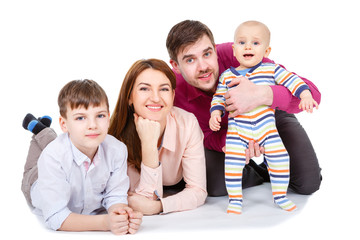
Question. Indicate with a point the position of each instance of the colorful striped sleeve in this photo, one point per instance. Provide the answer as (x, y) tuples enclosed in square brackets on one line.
[(218, 100), (289, 80)]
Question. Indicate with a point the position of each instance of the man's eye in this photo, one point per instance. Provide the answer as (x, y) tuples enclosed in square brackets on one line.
[(190, 60)]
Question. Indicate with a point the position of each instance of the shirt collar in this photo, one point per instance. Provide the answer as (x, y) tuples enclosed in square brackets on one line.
[(170, 133)]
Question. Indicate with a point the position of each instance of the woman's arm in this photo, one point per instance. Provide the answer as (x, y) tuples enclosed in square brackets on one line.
[(193, 168)]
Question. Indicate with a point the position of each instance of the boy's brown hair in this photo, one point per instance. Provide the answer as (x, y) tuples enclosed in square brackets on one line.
[(184, 34), (81, 93)]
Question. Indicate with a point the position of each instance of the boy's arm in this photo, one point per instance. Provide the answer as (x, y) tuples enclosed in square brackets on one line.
[(116, 221)]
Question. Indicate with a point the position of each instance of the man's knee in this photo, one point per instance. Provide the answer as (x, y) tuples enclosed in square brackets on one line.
[(306, 185)]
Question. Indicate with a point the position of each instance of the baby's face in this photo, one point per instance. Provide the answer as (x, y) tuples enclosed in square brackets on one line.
[(251, 45)]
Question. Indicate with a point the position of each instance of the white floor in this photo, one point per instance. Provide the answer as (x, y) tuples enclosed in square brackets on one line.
[(260, 219)]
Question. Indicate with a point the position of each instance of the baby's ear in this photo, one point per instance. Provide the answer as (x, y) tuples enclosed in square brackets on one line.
[(267, 51)]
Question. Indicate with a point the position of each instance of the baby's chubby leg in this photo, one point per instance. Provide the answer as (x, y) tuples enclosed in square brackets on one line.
[(234, 165), (277, 160)]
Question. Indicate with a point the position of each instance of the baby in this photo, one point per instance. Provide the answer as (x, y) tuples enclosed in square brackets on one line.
[(251, 45)]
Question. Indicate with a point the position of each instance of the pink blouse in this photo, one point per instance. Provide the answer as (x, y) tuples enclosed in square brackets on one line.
[(181, 156)]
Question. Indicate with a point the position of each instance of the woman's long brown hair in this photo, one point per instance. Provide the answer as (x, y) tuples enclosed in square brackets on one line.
[(122, 124)]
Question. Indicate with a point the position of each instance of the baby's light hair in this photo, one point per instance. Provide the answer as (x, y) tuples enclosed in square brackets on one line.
[(255, 23)]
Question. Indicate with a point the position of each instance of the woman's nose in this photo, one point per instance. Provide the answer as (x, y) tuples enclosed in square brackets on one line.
[(155, 96)]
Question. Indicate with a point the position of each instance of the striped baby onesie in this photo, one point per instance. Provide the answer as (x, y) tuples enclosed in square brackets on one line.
[(257, 125)]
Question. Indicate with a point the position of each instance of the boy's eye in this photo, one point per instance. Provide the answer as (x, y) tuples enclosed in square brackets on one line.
[(80, 118), (101, 116)]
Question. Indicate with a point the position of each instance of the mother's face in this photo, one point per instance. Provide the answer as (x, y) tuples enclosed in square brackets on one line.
[(152, 95)]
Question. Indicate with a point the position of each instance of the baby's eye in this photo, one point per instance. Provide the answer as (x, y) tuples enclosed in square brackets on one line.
[(256, 43), (241, 42)]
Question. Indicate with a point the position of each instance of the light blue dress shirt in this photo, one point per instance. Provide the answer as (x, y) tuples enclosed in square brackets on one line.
[(65, 185)]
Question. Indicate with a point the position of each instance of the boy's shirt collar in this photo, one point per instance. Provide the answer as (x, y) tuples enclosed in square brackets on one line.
[(81, 159)]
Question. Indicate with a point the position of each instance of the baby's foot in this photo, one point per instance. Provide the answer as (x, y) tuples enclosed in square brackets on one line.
[(285, 203), (235, 206)]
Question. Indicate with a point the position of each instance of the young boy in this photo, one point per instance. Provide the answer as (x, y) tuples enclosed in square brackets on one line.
[(251, 45), (82, 172)]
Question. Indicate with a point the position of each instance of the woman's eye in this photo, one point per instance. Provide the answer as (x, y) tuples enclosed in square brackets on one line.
[(143, 89)]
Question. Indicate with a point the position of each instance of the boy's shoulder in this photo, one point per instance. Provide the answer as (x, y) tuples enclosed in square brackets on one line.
[(110, 143)]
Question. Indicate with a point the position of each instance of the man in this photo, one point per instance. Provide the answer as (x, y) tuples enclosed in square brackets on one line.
[(197, 63)]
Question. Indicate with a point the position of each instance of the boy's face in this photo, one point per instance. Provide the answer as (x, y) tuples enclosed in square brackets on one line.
[(87, 128), (251, 45), (198, 64)]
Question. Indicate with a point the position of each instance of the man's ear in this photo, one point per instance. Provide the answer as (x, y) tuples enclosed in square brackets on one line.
[(175, 65), (62, 122), (267, 52)]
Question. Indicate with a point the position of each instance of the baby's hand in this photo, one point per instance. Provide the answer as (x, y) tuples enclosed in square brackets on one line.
[(215, 120), (307, 102)]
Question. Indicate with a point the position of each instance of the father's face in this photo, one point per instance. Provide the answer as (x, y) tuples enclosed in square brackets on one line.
[(198, 64)]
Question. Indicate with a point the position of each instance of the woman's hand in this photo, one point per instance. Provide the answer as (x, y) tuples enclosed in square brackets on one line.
[(148, 130), (149, 134), (143, 204)]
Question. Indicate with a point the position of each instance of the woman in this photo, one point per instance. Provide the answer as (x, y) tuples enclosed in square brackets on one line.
[(165, 143)]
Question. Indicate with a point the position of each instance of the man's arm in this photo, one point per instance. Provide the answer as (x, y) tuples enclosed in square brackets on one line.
[(246, 96)]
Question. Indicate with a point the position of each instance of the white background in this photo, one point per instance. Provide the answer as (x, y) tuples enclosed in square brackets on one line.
[(45, 44)]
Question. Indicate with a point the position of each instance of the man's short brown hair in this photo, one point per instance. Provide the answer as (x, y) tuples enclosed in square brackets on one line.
[(81, 93), (184, 34)]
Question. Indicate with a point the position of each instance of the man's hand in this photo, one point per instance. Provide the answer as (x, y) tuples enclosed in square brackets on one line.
[(254, 150), (246, 96)]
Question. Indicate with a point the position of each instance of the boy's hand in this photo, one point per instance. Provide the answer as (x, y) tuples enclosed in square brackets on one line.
[(214, 122), (118, 222), (135, 219), (307, 102)]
